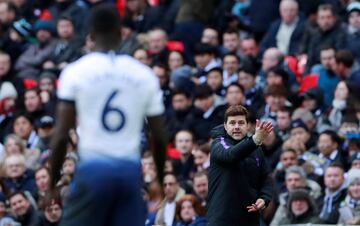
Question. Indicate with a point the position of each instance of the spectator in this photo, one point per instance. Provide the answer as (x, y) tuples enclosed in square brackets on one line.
[(31, 61), (201, 188), (16, 41), (344, 99), (299, 131), (148, 167), (208, 112), (162, 72), (33, 104), (180, 116), (327, 80), (285, 33), (214, 79), (275, 98), (18, 178), (349, 210), (189, 212), (329, 32), (173, 193), (231, 65), (201, 155), (344, 61), (253, 95), (23, 127), (129, 42), (329, 144), (52, 212), (353, 29), (295, 179), (277, 77), (313, 101), (210, 36), (249, 47), (76, 10), (288, 158), (301, 209), (45, 129), (184, 143), (235, 94), (8, 96), (7, 74), (335, 193), (157, 39), (205, 59), (283, 121), (14, 145), (175, 60), (42, 178), (142, 56), (355, 160), (7, 16), (22, 210), (67, 45), (231, 41), (47, 84)]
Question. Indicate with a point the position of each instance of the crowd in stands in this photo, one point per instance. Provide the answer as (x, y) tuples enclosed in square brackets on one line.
[(293, 62)]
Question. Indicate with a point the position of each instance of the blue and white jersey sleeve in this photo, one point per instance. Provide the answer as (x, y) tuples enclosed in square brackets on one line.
[(155, 104), (67, 85)]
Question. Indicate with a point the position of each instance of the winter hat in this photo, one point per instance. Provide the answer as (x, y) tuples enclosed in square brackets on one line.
[(353, 176), (300, 194), (354, 6), (7, 90), (46, 121), (355, 156), (44, 25), (22, 27), (298, 123)]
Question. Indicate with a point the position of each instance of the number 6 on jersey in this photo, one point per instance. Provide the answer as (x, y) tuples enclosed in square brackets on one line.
[(114, 124)]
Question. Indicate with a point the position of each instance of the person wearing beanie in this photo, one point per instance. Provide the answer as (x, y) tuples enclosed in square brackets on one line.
[(350, 208), (18, 39), (353, 29), (8, 96), (33, 58), (355, 160), (301, 208)]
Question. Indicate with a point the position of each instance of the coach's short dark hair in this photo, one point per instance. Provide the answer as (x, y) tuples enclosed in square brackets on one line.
[(236, 110)]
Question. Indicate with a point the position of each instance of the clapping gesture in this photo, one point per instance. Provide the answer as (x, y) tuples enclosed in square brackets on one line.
[(262, 131)]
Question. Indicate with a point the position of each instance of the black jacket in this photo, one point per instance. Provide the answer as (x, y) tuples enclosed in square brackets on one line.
[(238, 176)]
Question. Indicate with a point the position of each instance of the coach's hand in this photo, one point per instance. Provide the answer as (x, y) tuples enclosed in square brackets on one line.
[(258, 205), (262, 131)]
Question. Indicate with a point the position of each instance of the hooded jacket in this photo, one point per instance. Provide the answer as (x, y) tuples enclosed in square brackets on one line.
[(238, 176)]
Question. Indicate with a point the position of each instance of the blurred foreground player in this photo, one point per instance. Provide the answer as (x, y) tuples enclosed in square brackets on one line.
[(111, 95)]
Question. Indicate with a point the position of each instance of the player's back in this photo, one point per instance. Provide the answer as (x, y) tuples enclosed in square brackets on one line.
[(112, 94)]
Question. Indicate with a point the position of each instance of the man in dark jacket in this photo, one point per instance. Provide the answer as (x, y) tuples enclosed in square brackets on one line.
[(285, 33), (239, 181), (23, 212)]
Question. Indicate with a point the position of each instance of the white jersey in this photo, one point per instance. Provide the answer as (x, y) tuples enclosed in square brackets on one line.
[(112, 95)]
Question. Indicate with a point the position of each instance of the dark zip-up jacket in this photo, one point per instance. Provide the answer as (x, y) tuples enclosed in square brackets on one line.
[(238, 176)]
